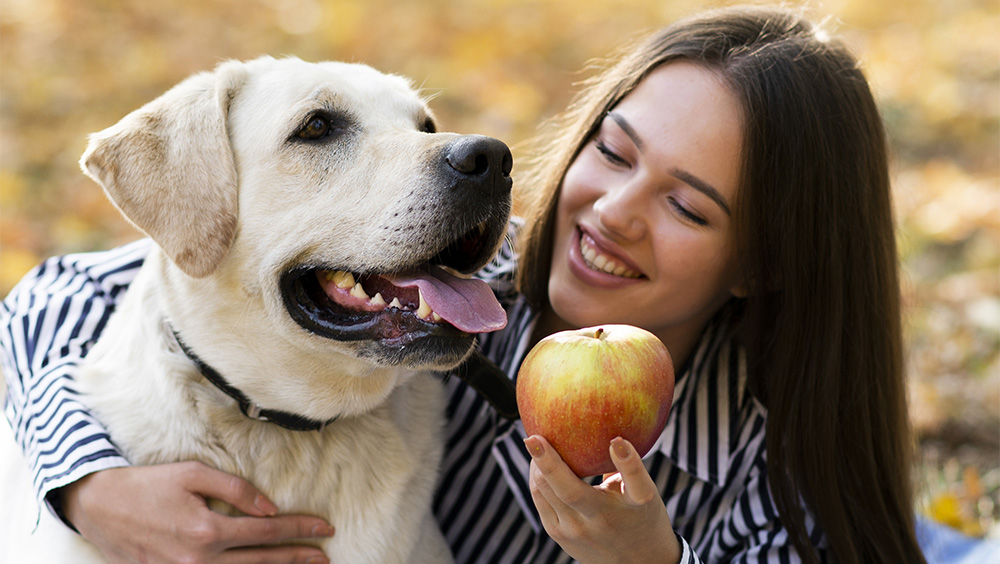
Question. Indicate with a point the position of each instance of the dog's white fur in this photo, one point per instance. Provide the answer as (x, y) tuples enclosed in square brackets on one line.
[(202, 170)]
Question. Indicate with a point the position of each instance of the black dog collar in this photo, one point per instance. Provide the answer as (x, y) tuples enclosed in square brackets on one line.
[(250, 409)]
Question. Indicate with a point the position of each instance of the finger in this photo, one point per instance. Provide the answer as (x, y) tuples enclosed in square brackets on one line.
[(536, 479), (274, 555), (540, 494), (235, 491), (254, 531), (561, 482), (638, 487)]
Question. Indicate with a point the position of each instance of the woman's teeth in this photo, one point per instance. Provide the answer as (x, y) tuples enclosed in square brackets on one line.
[(604, 263)]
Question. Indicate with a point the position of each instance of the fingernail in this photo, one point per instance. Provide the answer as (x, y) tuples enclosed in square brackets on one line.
[(534, 447), (322, 530), (620, 448), (265, 505)]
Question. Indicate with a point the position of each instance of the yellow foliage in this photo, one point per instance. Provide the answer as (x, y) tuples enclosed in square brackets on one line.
[(11, 188), (946, 509), (499, 67), (14, 263), (956, 506)]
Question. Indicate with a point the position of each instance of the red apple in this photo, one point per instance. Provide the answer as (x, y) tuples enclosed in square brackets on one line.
[(580, 389)]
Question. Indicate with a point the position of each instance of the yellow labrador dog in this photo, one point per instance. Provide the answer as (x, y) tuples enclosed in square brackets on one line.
[(314, 237)]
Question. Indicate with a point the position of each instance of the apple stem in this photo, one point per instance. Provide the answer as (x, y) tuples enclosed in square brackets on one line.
[(599, 333)]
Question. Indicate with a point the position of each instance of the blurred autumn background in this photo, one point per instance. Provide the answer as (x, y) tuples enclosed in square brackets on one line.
[(499, 67)]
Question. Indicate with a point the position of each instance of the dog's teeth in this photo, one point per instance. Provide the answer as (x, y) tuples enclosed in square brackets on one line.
[(377, 300), (424, 311), (343, 280), (435, 316), (358, 292), (328, 275), (395, 303)]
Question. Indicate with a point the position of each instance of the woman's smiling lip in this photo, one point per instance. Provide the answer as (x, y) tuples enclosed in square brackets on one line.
[(579, 267)]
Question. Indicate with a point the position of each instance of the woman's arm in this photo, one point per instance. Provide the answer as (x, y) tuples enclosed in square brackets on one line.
[(154, 513), (47, 324)]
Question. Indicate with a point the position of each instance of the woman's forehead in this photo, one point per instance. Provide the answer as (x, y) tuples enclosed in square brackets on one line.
[(684, 115)]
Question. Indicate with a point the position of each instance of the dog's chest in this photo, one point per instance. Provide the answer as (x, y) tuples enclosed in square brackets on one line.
[(371, 476)]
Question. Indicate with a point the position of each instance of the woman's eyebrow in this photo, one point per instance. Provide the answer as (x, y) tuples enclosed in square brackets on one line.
[(703, 187), (627, 128), (688, 178)]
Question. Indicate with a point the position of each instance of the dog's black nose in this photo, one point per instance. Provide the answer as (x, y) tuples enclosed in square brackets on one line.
[(480, 162)]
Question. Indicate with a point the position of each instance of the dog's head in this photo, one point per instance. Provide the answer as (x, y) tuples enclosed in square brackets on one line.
[(318, 197)]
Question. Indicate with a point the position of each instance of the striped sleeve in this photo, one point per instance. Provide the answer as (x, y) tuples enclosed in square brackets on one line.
[(48, 323)]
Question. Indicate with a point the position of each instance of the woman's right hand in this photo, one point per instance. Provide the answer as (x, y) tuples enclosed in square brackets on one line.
[(159, 514)]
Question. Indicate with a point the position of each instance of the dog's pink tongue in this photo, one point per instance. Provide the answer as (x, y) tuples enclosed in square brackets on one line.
[(468, 304)]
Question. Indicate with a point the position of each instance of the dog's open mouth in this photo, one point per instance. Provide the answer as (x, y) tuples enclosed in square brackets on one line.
[(466, 304), (397, 309)]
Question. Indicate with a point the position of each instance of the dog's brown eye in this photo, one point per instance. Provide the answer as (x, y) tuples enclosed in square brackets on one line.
[(315, 128), (429, 126)]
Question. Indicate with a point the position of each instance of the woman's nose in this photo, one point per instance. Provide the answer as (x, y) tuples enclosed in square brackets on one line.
[(622, 210)]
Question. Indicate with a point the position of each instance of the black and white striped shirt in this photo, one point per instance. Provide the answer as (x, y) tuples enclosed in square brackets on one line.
[(709, 462)]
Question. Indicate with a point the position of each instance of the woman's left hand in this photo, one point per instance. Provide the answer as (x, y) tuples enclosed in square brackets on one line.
[(621, 520)]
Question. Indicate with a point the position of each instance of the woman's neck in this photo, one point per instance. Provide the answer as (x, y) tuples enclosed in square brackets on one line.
[(548, 323)]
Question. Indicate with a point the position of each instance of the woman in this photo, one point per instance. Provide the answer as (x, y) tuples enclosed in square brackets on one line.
[(725, 185)]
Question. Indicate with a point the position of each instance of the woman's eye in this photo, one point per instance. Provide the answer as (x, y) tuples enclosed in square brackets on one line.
[(686, 213), (315, 128), (609, 155)]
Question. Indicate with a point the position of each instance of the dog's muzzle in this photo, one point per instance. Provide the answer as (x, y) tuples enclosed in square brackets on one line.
[(423, 313)]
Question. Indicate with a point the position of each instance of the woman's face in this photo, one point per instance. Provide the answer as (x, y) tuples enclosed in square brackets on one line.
[(643, 223)]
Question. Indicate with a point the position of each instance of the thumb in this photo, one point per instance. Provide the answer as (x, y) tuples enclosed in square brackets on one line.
[(638, 487)]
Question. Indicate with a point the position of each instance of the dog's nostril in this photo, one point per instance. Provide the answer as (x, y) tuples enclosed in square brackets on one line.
[(465, 159), (481, 166), (476, 155)]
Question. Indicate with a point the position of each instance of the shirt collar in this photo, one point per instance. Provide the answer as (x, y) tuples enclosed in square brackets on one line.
[(701, 430)]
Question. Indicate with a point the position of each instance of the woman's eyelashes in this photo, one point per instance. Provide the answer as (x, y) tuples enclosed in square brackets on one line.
[(685, 212), (610, 155), (615, 159)]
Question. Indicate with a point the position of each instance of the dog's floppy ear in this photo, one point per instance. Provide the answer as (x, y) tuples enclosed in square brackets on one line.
[(169, 168)]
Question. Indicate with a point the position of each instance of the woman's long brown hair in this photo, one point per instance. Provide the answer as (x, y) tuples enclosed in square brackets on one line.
[(816, 240)]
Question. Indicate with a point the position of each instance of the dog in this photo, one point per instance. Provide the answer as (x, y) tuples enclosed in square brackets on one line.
[(314, 240)]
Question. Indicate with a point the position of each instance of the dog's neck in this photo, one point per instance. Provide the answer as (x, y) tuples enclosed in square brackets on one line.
[(249, 408)]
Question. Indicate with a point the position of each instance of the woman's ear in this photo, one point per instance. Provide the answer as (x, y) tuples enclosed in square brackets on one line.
[(169, 168), (751, 286), (739, 290)]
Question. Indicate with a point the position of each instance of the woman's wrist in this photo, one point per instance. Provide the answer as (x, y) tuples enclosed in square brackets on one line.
[(66, 501)]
